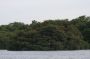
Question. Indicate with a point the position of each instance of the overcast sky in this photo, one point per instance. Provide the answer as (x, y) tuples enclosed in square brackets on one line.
[(28, 10)]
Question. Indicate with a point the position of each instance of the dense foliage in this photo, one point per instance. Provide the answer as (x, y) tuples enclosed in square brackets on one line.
[(47, 35)]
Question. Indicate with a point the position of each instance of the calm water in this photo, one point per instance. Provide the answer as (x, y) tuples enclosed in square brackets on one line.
[(81, 54)]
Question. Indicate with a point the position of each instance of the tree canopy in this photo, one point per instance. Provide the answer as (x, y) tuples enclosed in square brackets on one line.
[(48, 35)]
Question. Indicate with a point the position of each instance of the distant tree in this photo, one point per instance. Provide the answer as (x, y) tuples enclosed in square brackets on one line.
[(48, 35)]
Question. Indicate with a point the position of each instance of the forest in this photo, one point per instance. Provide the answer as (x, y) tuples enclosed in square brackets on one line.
[(49, 35)]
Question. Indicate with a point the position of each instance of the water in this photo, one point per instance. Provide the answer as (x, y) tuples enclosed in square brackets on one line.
[(80, 54)]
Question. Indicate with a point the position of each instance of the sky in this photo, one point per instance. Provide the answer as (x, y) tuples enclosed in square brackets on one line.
[(40, 10)]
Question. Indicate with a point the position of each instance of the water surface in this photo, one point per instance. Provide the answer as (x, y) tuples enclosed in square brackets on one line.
[(79, 54)]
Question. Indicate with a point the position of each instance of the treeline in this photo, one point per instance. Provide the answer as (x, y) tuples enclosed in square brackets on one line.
[(48, 35)]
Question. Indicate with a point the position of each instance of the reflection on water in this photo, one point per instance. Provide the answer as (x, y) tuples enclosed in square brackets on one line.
[(82, 54)]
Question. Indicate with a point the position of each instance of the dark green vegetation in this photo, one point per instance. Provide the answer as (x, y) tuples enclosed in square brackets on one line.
[(47, 35)]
